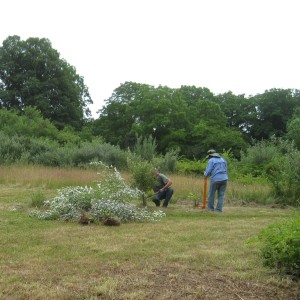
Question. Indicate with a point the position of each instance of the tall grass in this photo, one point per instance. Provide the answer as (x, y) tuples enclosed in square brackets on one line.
[(236, 194), (184, 185), (49, 177)]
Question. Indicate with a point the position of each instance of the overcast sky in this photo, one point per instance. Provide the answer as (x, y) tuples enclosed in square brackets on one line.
[(243, 46)]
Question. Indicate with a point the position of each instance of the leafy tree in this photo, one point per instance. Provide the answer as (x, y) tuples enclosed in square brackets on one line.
[(192, 94), (33, 74), (207, 136), (117, 117), (168, 116), (240, 112), (140, 109), (208, 111), (274, 109), (164, 115)]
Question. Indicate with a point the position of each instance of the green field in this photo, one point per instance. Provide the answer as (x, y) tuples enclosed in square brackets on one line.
[(189, 254)]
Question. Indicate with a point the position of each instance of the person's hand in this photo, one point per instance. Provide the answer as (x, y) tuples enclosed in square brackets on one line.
[(161, 190)]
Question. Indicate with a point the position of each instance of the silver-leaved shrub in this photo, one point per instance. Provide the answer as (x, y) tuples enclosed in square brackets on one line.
[(112, 196)]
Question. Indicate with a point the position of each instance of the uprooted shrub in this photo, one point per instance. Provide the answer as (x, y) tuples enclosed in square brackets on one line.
[(112, 197)]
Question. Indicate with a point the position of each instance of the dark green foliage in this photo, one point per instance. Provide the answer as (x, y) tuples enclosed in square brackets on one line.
[(206, 136), (274, 109), (33, 74), (281, 246), (293, 129), (284, 176), (186, 119), (239, 111)]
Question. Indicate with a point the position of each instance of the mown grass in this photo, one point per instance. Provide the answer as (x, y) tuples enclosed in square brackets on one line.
[(190, 254)]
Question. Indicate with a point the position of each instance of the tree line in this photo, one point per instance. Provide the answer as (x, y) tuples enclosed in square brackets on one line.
[(193, 119), (188, 119)]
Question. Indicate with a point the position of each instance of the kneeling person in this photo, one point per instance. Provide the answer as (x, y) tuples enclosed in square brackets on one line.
[(163, 189)]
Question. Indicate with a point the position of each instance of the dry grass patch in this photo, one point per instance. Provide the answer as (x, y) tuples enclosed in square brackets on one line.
[(46, 176), (236, 194)]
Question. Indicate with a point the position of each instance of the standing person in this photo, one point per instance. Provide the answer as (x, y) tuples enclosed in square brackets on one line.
[(162, 188), (217, 171)]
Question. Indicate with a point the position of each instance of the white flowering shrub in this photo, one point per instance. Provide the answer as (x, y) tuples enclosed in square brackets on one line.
[(68, 204), (126, 212), (111, 197), (114, 187)]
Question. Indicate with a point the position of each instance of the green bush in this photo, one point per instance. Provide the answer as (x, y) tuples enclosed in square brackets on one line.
[(142, 172), (284, 176), (145, 147), (190, 167), (29, 123), (281, 246), (10, 149), (255, 159), (168, 162), (55, 157), (95, 151)]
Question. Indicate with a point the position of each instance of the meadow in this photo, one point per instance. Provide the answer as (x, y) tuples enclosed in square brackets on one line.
[(189, 254)]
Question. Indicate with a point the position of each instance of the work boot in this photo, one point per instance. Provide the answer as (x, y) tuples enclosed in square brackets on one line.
[(156, 201)]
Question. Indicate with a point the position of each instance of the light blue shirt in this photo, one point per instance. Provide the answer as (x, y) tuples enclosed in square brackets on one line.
[(216, 169)]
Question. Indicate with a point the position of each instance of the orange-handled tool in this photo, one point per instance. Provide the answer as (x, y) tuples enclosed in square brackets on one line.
[(204, 193)]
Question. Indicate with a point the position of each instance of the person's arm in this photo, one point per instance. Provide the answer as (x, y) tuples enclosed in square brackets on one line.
[(208, 168), (167, 184)]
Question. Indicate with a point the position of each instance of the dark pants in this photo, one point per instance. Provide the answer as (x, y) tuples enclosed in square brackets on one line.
[(166, 195)]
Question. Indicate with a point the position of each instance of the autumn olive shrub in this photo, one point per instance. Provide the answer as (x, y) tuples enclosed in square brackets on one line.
[(281, 246), (111, 197), (276, 162), (284, 175)]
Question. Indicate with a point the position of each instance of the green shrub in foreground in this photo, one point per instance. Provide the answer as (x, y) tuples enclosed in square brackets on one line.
[(281, 247)]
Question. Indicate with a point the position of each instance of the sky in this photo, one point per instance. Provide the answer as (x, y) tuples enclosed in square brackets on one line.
[(242, 46)]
